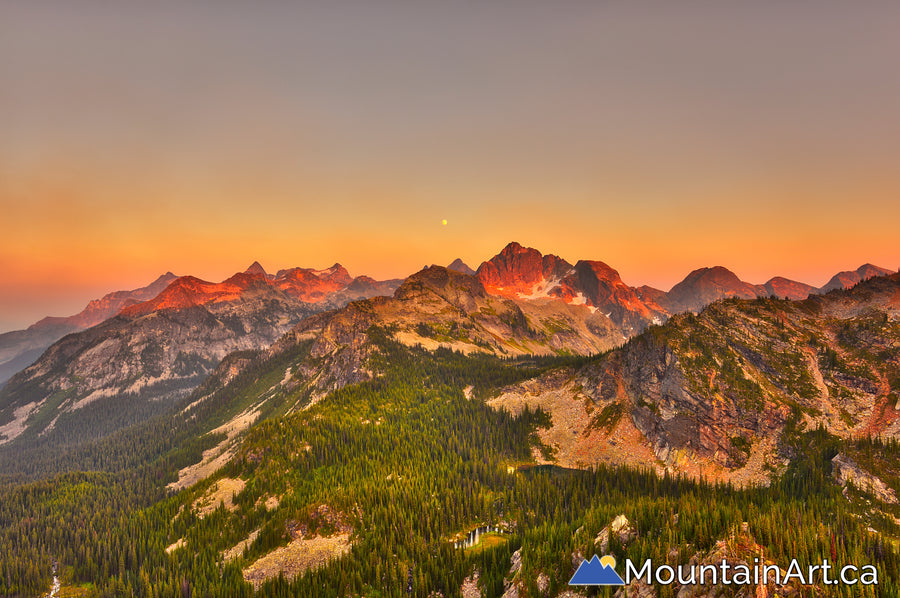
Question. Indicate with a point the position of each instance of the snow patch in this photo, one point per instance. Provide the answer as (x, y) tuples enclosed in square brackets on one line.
[(580, 299), (541, 290), (325, 273)]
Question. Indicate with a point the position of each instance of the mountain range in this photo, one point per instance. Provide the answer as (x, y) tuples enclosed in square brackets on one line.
[(137, 351), (708, 394), (290, 428), (160, 348), (716, 394)]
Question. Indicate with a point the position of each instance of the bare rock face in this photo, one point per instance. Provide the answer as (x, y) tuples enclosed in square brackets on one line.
[(621, 528), (516, 270), (511, 589), (846, 471), (600, 286), (470, 587), (523, 274), (543, 583), (312, 286), (636, 589)]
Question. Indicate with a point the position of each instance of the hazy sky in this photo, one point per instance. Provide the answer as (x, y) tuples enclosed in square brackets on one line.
[(658, 137)]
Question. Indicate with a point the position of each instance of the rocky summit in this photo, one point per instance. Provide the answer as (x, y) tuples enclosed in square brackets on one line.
[(439, 307), (705, 285)]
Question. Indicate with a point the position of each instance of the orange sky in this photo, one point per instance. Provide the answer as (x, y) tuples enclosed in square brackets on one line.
[(197, 139)]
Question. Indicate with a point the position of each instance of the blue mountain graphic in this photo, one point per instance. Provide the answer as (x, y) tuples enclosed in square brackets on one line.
[(592, 573)]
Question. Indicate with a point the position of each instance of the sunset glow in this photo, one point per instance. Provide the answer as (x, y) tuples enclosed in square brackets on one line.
[(140, 139)]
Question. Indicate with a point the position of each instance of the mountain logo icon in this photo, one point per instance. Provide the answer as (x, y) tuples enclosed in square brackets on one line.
[(597, 572)]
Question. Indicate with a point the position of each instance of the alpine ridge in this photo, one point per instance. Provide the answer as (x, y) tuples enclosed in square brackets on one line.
[(452, 409), (719, 393), (20, 348), (441, 308), (152, 352), (164, 339), (523, 273), (845, 280)]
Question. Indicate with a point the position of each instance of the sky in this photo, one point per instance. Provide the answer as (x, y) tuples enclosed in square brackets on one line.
[(658, 137)]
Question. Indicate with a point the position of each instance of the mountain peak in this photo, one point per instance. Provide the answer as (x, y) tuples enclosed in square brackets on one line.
[(601, 270), (870, 270), (712, 274), (336, 270), (516, 271), (455, 287), (460, 266), (848, 278), (780, 286), (515, 247), (706, 285), (256, 268)]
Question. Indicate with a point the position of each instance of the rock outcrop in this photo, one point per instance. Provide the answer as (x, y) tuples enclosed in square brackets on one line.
[(846, 471), (620, 528)]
